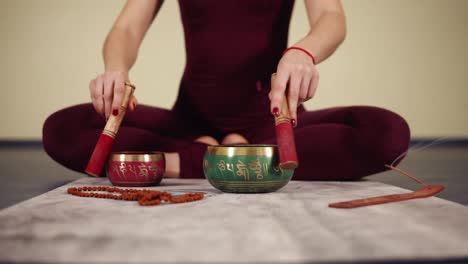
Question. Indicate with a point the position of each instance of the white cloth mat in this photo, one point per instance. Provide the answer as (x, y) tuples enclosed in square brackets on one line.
[(291, 225)]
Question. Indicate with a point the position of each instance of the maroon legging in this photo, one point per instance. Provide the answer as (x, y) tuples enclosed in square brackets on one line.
[(343, 143), (232, 48)]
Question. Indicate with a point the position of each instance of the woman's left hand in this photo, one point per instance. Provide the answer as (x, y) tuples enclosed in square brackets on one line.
[(297, 69)]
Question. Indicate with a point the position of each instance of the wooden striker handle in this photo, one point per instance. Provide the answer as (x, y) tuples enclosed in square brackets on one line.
[(113, 123)]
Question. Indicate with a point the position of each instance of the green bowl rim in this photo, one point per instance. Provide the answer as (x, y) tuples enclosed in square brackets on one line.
[(243, 150)]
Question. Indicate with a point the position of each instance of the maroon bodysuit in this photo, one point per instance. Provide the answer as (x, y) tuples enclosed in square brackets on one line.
[(232, 48)]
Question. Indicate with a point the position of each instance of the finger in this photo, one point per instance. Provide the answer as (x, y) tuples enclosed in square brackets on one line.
[(304, 91), (98, 93), (293, 96), (92, 84), (108, 95), (313, 86), (277, 91), (133, 103), (119, 90)]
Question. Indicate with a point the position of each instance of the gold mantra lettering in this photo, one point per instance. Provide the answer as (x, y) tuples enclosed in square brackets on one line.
[(254, 168), (141, 169), (222, 166), (242, 170), (122, 167), (153, 167), (278, 169)]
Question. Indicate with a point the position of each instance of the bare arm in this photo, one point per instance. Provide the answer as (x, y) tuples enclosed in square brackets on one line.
[(328, 28), (122, 44), (327, 32), (120, 53)]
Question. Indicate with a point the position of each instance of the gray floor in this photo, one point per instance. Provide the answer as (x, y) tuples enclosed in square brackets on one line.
[(27, 172)]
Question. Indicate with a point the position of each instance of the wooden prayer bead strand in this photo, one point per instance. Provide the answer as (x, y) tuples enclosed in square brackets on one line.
[(144, 197)]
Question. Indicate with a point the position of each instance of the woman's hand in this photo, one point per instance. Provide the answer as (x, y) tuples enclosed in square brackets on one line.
[(107, 91), (297, 69)]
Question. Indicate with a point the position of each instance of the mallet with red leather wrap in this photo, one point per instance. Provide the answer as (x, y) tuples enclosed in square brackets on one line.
[(106, 140), (285, 135)]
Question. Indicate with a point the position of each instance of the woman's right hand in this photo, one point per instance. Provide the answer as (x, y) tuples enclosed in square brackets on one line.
[(107, 91)]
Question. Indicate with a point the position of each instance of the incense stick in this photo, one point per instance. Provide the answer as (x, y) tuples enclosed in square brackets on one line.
[(405, 173)]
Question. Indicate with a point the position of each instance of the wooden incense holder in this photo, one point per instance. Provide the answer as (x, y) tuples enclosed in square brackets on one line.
[(427, 191), (285, 135), (106, 140)]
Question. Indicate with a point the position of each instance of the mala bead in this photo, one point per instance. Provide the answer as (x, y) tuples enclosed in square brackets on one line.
[(144, 197)]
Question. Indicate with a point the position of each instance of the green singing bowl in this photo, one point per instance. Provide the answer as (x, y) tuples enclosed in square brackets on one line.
[(245, 168)]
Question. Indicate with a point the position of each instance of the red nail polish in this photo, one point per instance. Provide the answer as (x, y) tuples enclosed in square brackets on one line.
[(293, 122), (115, 112), (275, 111)]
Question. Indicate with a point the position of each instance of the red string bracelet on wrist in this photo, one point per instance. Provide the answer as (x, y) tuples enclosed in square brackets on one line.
[(301, 49)]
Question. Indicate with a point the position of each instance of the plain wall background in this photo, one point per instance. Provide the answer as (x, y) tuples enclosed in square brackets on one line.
[(409, 56)]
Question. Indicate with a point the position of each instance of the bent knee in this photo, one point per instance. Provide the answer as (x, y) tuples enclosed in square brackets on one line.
[(61, 130), (207, 140), (234, 138), (392, 137), (50, 134), (54, 139)]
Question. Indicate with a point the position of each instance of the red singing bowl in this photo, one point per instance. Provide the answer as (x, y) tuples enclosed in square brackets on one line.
[(135, 169)]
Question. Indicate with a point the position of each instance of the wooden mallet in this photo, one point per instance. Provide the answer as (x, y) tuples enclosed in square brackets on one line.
[(107, 138), (285, 135)]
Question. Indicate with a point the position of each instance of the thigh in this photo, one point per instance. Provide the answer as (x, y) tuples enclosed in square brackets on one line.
[(264, 130), (343, 143), (70, 135), (335, 115), (358, 117), (163, 122)]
